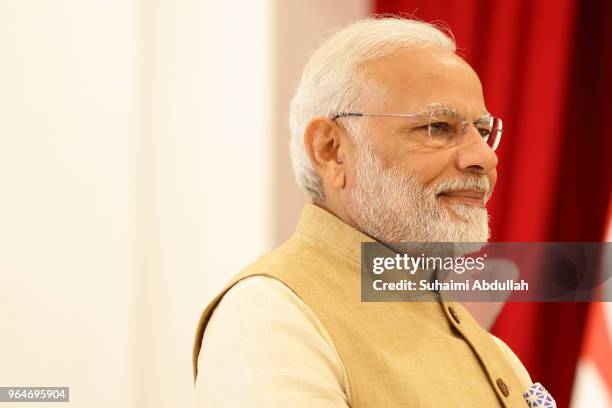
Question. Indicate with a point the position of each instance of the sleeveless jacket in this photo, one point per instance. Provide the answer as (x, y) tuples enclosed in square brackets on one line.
[(396, 354)]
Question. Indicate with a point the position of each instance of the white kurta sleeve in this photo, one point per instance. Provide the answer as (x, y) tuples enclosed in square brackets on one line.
[(263, 347)]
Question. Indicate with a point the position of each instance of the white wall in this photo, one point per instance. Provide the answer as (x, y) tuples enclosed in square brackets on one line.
[(207, 200), (143, 161), (69, 139)]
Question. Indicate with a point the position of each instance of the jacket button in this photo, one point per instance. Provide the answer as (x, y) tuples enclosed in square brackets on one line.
[(454, 314), (503, 387)]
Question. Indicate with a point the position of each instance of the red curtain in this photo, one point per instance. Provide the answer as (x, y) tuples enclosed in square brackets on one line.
[(546, 68)]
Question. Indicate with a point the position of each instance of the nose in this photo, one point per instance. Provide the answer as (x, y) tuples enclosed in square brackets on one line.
[(474, 154)]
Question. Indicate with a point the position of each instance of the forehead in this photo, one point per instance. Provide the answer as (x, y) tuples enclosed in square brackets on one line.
[(416, 79)]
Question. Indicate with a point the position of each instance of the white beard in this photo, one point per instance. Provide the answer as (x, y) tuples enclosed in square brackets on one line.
[(396, 209)]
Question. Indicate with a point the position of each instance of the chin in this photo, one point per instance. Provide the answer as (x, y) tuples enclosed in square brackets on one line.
[(464, 248), (465, 212)]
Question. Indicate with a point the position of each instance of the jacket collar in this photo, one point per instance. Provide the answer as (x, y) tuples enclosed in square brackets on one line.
[(325, 227)]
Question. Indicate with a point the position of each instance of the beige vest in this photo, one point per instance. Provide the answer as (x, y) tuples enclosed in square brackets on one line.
[(396, 354)]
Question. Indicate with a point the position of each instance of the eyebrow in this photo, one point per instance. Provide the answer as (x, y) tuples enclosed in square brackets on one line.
[(437, 106)]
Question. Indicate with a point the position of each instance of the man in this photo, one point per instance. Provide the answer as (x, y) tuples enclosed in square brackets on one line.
[(392, 142)]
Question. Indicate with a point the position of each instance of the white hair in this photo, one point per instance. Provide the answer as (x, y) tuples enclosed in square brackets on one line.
[(332, 80)]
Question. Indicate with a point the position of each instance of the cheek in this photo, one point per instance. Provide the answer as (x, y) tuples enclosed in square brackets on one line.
[(427, 166), (349, 167)]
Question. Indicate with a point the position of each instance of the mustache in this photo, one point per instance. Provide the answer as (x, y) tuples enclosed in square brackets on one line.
[(476, 183)]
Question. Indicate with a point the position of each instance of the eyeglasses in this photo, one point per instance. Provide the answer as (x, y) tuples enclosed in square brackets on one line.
[(445, 127)]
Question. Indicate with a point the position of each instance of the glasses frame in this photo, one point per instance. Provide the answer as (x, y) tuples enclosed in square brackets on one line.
[(499, 131)]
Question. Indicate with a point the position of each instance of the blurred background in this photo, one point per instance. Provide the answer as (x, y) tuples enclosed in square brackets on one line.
[(144, 161)]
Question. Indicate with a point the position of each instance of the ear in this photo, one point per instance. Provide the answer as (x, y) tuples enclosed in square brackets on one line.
[(325, 145)]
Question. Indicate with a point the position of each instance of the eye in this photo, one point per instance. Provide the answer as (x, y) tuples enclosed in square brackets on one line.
[(440, 129), (484, 132)]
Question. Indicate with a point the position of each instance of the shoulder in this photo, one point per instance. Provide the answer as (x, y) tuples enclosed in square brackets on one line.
[(261, 305), (256, 291), (261, 300), (262, 334)]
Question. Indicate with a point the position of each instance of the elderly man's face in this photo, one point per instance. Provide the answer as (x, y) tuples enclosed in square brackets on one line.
[(402, 189)]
